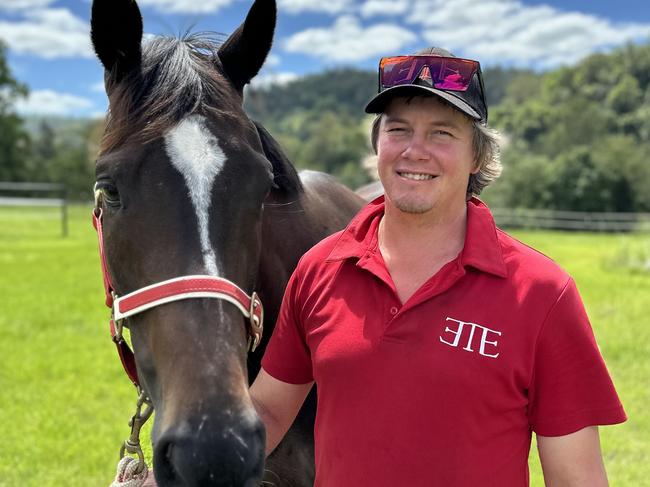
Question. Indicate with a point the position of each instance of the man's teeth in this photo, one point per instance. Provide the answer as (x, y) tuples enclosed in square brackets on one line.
[(416, 176)]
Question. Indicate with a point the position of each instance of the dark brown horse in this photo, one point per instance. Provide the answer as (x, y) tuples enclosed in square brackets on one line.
[(190, 185)]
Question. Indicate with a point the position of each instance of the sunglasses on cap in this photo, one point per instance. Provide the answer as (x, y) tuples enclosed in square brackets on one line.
[(457, 80), (444, 73)]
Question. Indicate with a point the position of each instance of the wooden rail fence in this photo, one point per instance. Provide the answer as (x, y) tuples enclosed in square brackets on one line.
[(54, 195), (572, 220)]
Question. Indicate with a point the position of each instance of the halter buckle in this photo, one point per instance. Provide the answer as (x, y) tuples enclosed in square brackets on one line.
[(116, 325), (256, 322)]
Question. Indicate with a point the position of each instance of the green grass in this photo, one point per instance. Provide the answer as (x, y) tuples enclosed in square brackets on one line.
[(65, 401)]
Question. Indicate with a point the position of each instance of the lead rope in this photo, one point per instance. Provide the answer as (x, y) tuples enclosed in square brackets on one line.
[(133, 472), (127, 473)]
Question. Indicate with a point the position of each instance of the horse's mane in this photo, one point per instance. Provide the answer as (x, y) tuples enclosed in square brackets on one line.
[(177, 77)]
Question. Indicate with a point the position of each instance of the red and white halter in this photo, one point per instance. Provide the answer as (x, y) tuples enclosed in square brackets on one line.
[(184, 287)]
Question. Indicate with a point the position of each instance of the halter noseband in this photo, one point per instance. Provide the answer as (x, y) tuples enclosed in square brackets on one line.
[(176, 289)]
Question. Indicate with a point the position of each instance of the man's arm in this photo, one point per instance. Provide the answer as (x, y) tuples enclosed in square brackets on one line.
[(277, 403), (573, 460)]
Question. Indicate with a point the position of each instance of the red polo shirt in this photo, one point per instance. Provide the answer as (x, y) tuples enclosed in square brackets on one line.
[(445, 389)]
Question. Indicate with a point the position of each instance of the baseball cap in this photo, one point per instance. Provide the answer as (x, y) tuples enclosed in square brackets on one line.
[(468, 96)]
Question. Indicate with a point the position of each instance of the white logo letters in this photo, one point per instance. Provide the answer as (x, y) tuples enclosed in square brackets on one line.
[(472, 327)]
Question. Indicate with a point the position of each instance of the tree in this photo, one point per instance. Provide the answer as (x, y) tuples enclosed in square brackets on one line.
[(499, 83), (319, 121), (14, 141), (326, 141), (581, 137), (525, 182), (344, 91)]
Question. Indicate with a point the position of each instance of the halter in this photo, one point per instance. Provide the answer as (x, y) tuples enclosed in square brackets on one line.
[(184, 287), (176, 289)]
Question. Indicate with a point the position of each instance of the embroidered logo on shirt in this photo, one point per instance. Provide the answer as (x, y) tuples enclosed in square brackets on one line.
[(471, 334)]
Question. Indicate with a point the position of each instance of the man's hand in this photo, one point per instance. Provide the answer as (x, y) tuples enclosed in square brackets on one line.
[(151, 481)]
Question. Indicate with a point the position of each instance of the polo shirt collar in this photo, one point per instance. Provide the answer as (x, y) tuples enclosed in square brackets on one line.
[(360, 236), (482, 249)]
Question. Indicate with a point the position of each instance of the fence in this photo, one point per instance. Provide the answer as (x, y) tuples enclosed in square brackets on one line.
[(57, 198), (572, 220)]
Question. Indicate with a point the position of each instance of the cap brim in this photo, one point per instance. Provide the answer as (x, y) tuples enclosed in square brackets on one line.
[(379, 102)]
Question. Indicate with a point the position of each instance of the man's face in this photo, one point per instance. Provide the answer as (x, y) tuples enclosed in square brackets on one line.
[(425, 155)]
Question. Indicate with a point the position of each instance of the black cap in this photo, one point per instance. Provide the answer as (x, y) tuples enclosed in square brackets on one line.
[(471, 102)]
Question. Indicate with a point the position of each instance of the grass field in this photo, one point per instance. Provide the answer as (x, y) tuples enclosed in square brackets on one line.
[(65, 401)]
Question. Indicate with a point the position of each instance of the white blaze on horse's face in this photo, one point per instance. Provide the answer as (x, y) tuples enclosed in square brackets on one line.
[(195, 152)]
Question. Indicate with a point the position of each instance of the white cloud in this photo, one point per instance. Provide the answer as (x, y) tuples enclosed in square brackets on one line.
[(509, 32), (186, 6), (24, 4), (272, 60), (267, 80), (372, 8), (348, 41), (98, 87), (48, 102), (49, 33), (332, 7)]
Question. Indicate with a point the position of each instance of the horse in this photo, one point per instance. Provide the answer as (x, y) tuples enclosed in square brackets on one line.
[(188, 185)]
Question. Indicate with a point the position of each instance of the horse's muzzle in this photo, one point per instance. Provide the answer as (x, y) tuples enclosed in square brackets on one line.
[(211, 453)]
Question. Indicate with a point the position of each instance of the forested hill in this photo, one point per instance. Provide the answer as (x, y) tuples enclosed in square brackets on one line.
[(579, 137), (320, 121), (574, 138), (345, 91)]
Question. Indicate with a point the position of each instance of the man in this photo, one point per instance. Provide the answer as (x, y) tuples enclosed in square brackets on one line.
[(437, 341)]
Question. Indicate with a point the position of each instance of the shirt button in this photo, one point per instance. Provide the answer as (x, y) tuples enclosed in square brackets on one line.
[(393, 310)]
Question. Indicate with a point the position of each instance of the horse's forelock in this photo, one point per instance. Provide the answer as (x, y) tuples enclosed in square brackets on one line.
[(177, 77)]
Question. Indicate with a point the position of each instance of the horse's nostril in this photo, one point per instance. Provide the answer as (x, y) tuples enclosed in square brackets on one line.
[(163, 463), (169, 460), (169, 451)]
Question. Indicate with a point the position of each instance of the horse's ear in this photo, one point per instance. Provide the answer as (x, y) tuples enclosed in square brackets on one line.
[(285, 176), (244, 52), (116, 33)]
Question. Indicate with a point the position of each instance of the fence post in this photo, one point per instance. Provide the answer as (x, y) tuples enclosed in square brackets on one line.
[(58, 189), (64, 210)]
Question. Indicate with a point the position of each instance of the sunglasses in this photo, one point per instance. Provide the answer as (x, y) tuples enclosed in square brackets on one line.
[(444, 73)]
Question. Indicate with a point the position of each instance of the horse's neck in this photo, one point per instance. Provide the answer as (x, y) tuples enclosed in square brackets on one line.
[(290, 227), (283, 241), (293, 225)]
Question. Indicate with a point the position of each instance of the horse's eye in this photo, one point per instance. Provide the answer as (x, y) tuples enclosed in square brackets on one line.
[(109, 193)]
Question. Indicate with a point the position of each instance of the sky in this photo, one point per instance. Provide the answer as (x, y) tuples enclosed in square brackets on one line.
[(49, 47)]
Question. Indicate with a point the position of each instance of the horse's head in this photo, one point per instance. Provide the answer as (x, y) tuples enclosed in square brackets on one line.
[(183, 176)]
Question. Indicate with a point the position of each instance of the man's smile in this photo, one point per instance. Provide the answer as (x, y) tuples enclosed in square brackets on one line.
[(415, 176)]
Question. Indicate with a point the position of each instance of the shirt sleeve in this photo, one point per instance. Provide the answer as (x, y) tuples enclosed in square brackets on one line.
[(571, 387), (287, 356)]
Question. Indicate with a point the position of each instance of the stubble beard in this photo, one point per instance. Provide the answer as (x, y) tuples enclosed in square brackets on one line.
[(412, 206)]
